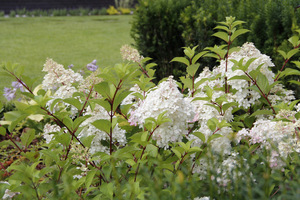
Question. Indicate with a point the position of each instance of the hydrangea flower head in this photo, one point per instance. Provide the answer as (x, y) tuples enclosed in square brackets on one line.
[(130, 54), (165, 98)]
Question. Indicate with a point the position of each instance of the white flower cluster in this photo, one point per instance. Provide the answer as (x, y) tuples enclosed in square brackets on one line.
[(202, 198), (130, 54), (244, 96), (118, 135), (49, 128), (60, 81), (165, 98), (58, 76), (278, 136), (226, 170)]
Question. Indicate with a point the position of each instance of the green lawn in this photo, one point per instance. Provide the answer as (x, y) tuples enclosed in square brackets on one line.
[(67, 40)]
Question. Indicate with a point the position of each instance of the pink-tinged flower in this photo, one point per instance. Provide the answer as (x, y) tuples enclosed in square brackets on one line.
[(130, 54)]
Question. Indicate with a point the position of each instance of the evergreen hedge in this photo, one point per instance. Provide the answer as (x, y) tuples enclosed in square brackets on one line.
[(161, 27)]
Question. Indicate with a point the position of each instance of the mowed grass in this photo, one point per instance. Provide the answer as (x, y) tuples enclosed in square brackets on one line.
[(67, 40)]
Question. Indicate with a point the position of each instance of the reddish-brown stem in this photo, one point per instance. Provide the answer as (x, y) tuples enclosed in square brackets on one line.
[(86, 100), (14, 142), (143, 70), (263, 94)]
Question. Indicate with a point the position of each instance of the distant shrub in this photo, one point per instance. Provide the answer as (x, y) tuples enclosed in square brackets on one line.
[(21, 12), (2, 13), (84, 11), (112, 11), (157, 32), (124, 11), (74, 12), (59, 12), (12, 13), (103, 11)]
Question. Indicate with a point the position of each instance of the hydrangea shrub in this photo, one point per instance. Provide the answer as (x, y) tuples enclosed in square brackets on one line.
[(111, 133)]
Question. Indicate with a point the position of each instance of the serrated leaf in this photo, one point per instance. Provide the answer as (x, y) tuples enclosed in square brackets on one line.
[(238, 33), (181, 60), (222, 35)]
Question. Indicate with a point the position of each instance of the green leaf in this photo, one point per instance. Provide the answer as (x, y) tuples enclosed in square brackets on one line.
[(291, 53), (189, 52), (107, 189), (242, 77), (104, 103), (212, 137), (177, 151), (263, 83), (200, 135), (87, 141), (119, 98), (89, 177), (225, 28), (192, 69), (228, 105), (103, 125), (63, 138), (294, 40), (283, 54), (238, 33), (262, 112), (181, 60), (104, 89), (295, 82), (152, 150), (212, 123), (27, 137), (198, 56), (249, 120), (130, 162), (2, 131), (222, 35), (73, 101)]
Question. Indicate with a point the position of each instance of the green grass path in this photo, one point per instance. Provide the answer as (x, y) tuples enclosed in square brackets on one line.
[(67, 40)]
